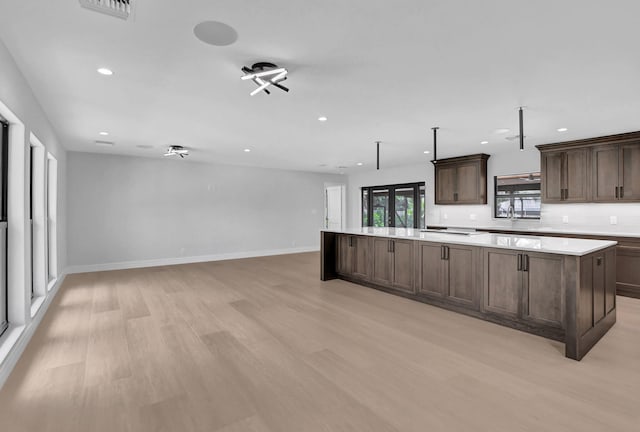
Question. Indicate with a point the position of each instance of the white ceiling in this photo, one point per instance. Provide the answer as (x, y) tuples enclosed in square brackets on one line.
[(379, 70)]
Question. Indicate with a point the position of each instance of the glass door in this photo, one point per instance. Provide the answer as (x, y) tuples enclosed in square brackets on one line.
[(380, 207), (404, 207)]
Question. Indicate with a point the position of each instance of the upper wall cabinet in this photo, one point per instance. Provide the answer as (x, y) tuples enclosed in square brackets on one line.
[(461, 180), (603, 169), (616, 172), (564, 176)]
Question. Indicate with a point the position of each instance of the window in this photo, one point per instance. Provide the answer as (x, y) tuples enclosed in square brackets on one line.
[(518, 196), (400, 206), (51, 197), (4, 164)]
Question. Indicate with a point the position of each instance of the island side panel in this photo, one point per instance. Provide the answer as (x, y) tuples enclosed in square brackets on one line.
[(328, 255), (590, 310)]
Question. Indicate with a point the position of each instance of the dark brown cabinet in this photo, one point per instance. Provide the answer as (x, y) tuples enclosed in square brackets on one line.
[(448, 272), (616, 172), (565, 175), (526, 287), (392, 263), (353, 256), (461, 180), (602, 169)]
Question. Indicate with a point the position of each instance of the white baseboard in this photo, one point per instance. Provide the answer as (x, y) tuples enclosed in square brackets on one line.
[(16, 339), (184, 260)]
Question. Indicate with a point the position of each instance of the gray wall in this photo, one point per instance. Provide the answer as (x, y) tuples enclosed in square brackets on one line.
[(131, 209), (16, 94)]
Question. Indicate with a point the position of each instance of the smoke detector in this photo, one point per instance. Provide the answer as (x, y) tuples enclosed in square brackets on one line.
[(116, 8)]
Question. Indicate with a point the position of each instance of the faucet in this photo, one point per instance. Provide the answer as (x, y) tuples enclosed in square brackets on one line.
[(511, 213)]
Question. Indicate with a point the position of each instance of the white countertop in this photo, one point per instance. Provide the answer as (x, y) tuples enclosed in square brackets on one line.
[(610, 231), (555, 245)]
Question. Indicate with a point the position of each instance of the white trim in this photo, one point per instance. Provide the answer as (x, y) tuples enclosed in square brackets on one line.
[(184, 260), (16, 339)]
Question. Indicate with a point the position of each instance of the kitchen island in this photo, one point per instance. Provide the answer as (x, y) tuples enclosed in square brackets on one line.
[(558, 288)]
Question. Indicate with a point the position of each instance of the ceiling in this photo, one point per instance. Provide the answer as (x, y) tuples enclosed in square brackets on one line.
[(378, 70)]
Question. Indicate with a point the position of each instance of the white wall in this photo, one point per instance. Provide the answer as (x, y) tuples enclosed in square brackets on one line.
[(130, 211), (26, 117), (16, 94), (506, 162)]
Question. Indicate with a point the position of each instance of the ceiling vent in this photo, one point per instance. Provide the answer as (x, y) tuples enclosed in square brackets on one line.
[(116, 8)]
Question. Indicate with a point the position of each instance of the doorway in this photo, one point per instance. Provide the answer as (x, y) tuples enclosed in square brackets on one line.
[(334, 215)]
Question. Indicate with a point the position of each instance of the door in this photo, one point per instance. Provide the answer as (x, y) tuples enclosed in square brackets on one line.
[(445, 184), (381, 271), (404, 207), (552, 186), (360, 265), (380, 207), (402, 265), (345, 255), (542, 289), (576, 181), (467, 182), (461, 270), (431, 269), (502, 282), (630, 172), (605, 173), (333, 211)]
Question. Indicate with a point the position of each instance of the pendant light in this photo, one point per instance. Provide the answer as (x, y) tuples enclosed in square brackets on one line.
[(377, 155), (435, 144), (521, 118)]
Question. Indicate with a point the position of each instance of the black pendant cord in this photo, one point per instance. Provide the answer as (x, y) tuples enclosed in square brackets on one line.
[(435, 144), (377, 155), (521, 130)]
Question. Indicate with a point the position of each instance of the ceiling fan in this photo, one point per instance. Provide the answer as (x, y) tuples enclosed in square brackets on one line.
[(177, 150)]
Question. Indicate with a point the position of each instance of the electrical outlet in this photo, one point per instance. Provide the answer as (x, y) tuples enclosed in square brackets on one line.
[(613, 220), (565, 219), (473, 216), (445, 216)]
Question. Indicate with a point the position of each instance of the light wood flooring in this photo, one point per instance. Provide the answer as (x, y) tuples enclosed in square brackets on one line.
[(262, 345)]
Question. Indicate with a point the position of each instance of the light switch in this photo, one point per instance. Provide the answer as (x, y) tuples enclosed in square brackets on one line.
[(472, 216), (565, 219), (613, 220)]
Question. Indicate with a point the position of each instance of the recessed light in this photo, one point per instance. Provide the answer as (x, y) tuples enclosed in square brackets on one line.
[(322, 119), (426, 152), (247, 150), (502, 130), (359, 164), (104, 133), (562, 129), (484, 142), (105, 71)]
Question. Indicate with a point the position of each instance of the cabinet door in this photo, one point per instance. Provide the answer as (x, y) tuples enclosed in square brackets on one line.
[(628, 271), (551, 175), (542, 289), (576, 176), (360, 266), (381, 265), (445, 184), (430, 268), (345, 255), (605, 173), (402, 268), (630, 172), (461, 274), (468, 184), (502, 282)]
